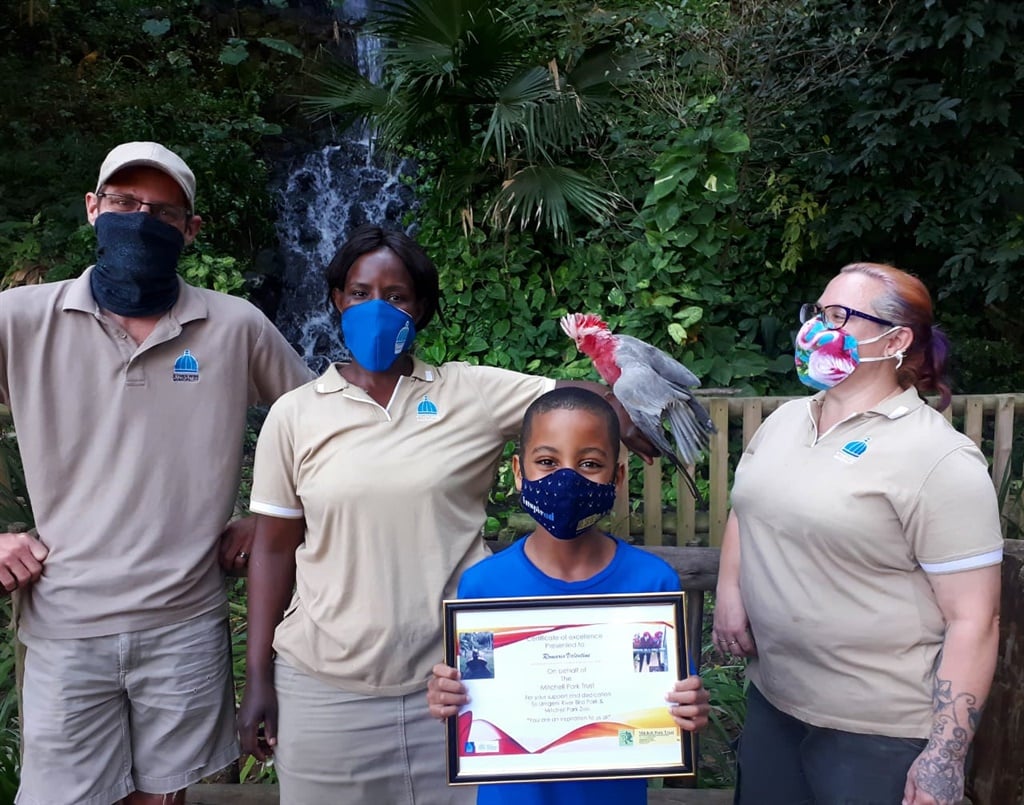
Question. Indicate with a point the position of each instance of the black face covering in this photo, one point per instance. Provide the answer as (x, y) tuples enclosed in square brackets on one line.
[(136, 271)]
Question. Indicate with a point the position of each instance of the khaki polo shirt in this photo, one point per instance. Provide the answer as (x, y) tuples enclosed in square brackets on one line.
[(393, 499), (132, 453), (838, 532)]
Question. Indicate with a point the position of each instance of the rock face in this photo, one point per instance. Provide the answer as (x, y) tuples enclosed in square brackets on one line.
[(325, 184), (321, 196), (997, 775)]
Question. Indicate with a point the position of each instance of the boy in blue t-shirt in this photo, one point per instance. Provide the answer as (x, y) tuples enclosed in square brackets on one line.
[(567, 471)]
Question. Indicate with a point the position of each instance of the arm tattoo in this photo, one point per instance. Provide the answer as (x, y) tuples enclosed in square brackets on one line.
[(940, 767)]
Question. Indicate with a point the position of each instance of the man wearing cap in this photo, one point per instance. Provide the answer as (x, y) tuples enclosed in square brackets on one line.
[(129, 390)]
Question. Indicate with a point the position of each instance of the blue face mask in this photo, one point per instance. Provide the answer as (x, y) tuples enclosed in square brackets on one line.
[(136, 271), (376, 333), (565, 503)]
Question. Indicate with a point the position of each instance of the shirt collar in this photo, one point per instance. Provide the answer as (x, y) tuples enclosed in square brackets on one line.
[(893, 407), (190, 305), (900, 405), (333, 380)]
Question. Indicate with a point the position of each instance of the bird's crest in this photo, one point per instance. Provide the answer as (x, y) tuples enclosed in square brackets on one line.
[(579, 325)]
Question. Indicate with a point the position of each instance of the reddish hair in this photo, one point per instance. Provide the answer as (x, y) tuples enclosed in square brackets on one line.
[(907, 303)]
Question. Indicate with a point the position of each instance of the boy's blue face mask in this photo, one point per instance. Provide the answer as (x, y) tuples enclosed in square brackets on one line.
[(376, 333), (565, 503)]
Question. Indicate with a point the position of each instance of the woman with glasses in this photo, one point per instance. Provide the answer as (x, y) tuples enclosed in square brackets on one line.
[(860, 564)]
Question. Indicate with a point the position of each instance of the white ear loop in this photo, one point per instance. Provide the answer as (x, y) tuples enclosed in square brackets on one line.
[(897, 355)]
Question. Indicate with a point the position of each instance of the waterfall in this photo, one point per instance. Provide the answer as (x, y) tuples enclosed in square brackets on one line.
[(328, 193), (322, 196)]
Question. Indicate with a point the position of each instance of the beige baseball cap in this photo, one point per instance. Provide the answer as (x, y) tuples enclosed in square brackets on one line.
[(151, 155)]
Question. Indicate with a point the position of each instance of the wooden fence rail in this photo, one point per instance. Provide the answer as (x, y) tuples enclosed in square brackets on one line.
[(987, 419)]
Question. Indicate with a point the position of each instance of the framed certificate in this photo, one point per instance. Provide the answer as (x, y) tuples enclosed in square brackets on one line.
[(567, 687)]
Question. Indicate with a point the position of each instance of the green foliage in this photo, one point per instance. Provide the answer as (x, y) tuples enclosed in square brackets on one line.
[(15, 508), (727, 691), (144, 74), (16, 513), (885, 131), (519, 133), (209, 271)]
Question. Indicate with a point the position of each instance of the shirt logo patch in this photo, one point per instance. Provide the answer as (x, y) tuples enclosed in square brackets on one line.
[(186, 368), (426, 409), (852, 451)]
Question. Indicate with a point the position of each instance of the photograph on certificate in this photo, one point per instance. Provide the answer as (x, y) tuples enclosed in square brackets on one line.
[(567, 687)]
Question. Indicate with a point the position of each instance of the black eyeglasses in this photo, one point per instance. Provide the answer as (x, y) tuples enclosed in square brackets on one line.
[(835, 316), (168, 213)]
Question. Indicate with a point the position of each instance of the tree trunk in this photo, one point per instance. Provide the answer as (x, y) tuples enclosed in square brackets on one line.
[(997, 775)]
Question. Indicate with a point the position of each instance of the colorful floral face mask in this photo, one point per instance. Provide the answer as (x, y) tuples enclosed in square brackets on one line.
[(825, 358)]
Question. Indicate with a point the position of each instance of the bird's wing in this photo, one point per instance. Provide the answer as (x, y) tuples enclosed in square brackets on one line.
[(662, 363), (642, 390), (648, 418)]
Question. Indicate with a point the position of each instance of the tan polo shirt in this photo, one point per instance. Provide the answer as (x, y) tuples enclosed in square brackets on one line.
[(132, 453), (838, 532), (393, 501)]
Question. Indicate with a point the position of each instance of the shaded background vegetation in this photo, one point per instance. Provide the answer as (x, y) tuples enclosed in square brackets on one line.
[(734, 154), (692, 170)]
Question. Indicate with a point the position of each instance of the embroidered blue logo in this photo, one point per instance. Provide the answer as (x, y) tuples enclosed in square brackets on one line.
[(186, 368), (852, 451), (426, 409)]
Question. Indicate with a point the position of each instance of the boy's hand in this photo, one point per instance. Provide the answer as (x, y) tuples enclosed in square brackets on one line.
[(688, 704), (445, 693)]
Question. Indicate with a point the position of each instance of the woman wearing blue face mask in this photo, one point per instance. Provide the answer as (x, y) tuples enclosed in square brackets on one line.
[(860, 564), (370, 485)]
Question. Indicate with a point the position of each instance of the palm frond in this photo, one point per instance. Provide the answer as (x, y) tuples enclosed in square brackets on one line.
[(512, 112), (533, 114), (447, 44), (346, 92), (541, 196), (602, 73)]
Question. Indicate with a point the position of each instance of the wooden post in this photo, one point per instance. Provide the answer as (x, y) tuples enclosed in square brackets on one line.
[(718, 499), (619, 523), (1002, 444), (686, 510), (997, 774), (974, 417), (652, 503)]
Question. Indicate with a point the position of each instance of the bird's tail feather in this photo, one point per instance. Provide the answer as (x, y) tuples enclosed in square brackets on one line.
[(701, 415), (691, 484), (691, 436)]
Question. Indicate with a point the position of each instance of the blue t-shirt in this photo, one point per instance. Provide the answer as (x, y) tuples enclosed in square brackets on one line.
[(510, 574)]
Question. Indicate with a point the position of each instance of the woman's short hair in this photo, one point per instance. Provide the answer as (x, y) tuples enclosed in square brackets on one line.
[(907, 303), (370, 238)]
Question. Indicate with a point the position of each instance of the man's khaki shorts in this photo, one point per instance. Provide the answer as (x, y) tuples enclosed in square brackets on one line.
[(148, 711)]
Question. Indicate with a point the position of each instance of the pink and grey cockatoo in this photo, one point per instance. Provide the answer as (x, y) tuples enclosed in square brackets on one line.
[(652, 386)]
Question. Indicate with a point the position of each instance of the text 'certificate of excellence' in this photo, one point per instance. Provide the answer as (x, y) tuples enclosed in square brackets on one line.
[(567, 687)]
